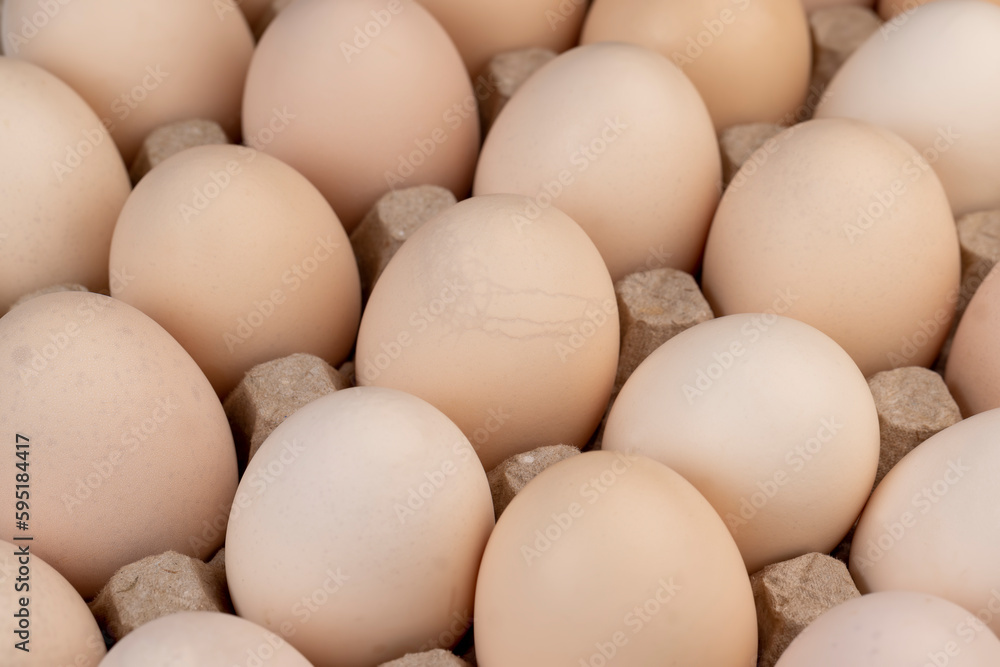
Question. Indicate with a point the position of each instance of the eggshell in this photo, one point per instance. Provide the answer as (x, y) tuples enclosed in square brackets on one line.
[(507, 325), (973, 372), (894, 629), (930, 525), (932, 79), (363, 96), (358, 529), (139, 63), (130, 451), (485, 28), (749, 59), (57, 626), (769, 419), (836, 224), (202, 639), (63, 185), (617, 137), (240, 258), (612, 559)]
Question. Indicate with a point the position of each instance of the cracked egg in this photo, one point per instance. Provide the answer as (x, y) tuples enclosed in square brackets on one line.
[(503, 316)]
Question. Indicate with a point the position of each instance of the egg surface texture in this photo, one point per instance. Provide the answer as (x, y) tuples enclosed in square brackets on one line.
[(123, 426), (839, 224)]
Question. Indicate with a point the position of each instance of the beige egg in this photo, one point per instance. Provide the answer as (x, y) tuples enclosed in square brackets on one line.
[(936, 89), (63, 185), (973, 372), (46, 620), (362, 97), (930, 525), (139, 63), (358, 528), (203, 639), (769, 419), (840, 225), (617, 137), (749, 59), (894, 629), (129, 450), (610, 559), (891, 9), (486, 28), (240, 258), (507, 325)]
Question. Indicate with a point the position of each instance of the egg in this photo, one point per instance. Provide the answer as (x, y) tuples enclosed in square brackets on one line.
[(507, 324), (139, 63), (749, 59), (612, 559), (893, 629), (63, 185), (890, 9), (358, 528), (202, 639), (46, 620), (127, 447), (240, 258), (484, 29), (935, 88), (930, 525), (617, 137), (362, 97), (768, 418), (973, 370), (839, 224)]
